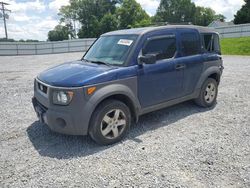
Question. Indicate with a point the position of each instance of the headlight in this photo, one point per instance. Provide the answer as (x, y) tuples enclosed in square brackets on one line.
[(62, 97)]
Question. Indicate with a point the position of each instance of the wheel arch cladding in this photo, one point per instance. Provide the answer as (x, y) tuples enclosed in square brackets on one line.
[(215, 76), (211, 72), (118, 92)]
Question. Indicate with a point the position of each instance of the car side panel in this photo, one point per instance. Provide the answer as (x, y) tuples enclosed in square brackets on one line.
[(193, 64), (161, 81), (192, 72)]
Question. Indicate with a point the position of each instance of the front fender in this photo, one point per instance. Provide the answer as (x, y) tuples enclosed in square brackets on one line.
[(126, 87)]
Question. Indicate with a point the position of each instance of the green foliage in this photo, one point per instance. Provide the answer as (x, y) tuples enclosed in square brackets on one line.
[(220, 17), (6, 40), (243, 15), (31, 40), (175, 11), (203, 16), (90, 30), (68, 17), (92, 14), (59, 33), (21, 40), (100, 16), (179, 11), (235, 46), (130, 14), (109, 22)]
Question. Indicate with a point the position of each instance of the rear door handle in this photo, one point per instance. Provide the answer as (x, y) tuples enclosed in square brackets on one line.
[(180, 66)]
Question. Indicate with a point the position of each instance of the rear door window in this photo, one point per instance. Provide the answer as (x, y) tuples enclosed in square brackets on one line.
[(163, 47), (190, 44)]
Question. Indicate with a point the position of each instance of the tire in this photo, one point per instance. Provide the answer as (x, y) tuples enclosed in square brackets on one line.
[(110, 122), (208, 93)]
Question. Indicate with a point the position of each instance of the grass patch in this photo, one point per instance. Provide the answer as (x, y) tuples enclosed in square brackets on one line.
[(235, 46)]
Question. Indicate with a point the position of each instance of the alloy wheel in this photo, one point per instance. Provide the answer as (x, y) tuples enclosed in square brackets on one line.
[(210, 93), (113, 124)]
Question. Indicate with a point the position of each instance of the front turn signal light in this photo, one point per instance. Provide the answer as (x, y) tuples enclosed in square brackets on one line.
[(91, 90)]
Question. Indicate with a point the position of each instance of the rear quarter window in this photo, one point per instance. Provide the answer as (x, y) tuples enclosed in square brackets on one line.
[(211, 42), (190, 44)]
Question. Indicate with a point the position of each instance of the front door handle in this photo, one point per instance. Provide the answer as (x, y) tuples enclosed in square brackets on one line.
[(180, 66)]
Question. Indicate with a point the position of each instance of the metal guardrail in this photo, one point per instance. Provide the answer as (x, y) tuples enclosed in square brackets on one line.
[(234, 31), (81, 45), (39, 48)]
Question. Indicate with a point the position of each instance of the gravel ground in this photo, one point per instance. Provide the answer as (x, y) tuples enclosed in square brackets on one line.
[(181, 146)]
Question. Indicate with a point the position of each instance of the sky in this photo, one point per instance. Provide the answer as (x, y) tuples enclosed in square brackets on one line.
[(33, 19)]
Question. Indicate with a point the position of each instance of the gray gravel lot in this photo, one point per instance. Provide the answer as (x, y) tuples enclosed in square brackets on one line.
[(181, 146)]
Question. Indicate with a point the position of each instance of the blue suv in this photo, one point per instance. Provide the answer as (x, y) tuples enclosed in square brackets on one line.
[(128, 73)]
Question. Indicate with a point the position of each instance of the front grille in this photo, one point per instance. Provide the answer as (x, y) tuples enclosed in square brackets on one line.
[(42, 88)]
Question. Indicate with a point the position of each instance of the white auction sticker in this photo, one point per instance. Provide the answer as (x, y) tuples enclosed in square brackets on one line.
[(125, 42)]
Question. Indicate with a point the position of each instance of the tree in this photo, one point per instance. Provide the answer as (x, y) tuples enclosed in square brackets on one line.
[(175, 11), (59, 33), (243, 15), (179, 11), (220, 17), (68, 17), (32, 40), (108, 23), (7, 40), (100, 16), (203, 16), (91, 29), (90, 13), (130, 14)]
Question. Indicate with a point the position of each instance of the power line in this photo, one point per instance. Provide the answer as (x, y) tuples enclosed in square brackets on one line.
[(5, 16)]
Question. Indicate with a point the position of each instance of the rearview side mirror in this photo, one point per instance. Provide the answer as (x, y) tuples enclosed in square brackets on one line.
[(147, 59)]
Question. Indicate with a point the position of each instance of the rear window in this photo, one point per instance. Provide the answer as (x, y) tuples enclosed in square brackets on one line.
[(190, 44), (164, 47), (211, 42)]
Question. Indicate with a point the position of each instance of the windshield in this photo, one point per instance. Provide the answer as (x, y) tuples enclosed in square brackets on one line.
[(111, 50)]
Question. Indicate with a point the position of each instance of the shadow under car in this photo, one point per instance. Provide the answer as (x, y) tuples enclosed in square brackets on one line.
[(55, 145)]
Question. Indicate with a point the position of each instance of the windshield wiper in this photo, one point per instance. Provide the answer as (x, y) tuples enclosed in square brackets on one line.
[(97, 62), (86, 60), (100, 62)]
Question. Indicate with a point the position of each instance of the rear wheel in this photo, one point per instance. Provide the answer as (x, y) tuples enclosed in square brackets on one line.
[(110, 122), (208, 93)]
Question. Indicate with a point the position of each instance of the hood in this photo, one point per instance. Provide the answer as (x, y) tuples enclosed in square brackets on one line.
[(77, 74)]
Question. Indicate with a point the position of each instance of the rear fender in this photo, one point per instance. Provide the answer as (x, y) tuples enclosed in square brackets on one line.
[(209, 71)]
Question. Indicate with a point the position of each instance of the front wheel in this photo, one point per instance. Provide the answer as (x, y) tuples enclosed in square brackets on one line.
[(110, 122), (208, 93)]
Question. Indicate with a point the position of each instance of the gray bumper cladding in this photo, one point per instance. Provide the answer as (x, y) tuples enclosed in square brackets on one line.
[(72, 119)]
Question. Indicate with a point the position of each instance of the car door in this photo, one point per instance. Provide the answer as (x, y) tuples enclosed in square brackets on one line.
[(191, 58), (161, 81)]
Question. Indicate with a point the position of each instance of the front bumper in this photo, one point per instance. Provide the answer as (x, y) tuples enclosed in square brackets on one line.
[(72, 119), (58, 121)]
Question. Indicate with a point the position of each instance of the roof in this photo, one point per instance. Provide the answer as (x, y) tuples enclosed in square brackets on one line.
[(143, 30)]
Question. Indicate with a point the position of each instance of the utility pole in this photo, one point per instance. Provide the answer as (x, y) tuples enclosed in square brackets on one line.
[(5, 16)]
